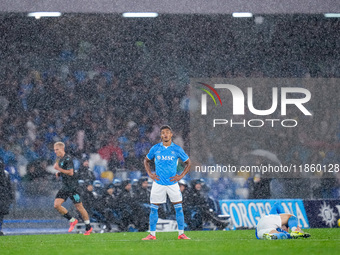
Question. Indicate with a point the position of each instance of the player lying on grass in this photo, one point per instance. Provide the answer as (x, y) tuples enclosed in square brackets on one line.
[(277, 224)]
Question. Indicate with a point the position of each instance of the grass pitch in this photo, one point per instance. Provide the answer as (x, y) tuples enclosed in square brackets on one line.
[(322, 241)]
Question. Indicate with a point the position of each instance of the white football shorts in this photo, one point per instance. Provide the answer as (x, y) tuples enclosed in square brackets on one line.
[(159, 192), (268, 223)]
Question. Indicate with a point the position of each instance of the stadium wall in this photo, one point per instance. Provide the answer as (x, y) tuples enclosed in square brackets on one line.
[(310, 213)]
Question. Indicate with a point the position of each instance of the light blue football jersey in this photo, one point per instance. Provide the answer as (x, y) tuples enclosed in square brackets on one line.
[(166, 161)]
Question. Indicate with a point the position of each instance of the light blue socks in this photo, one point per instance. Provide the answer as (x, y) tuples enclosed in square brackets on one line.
[(153, 219), (293, 223), (281, 235), (179, 216)]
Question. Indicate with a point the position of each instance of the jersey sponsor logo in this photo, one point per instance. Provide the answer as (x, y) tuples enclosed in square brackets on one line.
[(328, 215), (168, 157), (165, 157)]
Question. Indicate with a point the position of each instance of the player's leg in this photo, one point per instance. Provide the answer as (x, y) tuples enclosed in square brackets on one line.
[(60, 198), (153, 218), (58, 206), (277, 209), (157, 197), (274, 234), (85, 216), (267, 228), (80, 208), (63, 211), (180, 220), (175, 196), (83, 212), (179, 217), (291, 221), (271, 234)]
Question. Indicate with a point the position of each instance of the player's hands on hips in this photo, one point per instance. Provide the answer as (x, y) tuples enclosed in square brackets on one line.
[(154, 176), (175, 178)]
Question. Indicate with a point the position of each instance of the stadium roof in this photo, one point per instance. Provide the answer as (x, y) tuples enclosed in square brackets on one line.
[(174, 6)]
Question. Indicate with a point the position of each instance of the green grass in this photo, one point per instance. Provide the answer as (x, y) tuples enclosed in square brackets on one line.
[(322, 241)]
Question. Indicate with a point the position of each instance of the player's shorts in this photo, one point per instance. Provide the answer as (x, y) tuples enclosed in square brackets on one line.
[(159, 192), (74, 195), (267, 224)]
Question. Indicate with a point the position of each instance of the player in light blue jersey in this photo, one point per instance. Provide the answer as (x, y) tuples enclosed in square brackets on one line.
[(165, 181), (277, 224)]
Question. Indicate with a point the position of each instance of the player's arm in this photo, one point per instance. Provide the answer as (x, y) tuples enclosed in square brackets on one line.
[(186, 170), (153, 176), (69, 172)]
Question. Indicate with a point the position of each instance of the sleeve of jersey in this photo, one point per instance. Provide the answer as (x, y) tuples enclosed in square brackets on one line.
[(151, 153), (182, 155)]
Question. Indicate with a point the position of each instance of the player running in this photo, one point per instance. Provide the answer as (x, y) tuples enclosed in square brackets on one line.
[(64, 166), (277, 224), (165, 180)]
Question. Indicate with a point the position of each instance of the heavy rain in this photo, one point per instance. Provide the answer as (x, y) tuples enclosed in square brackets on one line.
[(104, 85)]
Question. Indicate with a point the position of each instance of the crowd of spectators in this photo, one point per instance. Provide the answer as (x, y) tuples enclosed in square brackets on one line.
[(124, 205), (105, 85)]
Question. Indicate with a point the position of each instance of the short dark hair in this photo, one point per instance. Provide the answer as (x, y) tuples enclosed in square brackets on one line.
[(166, 127), (125, 183)]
